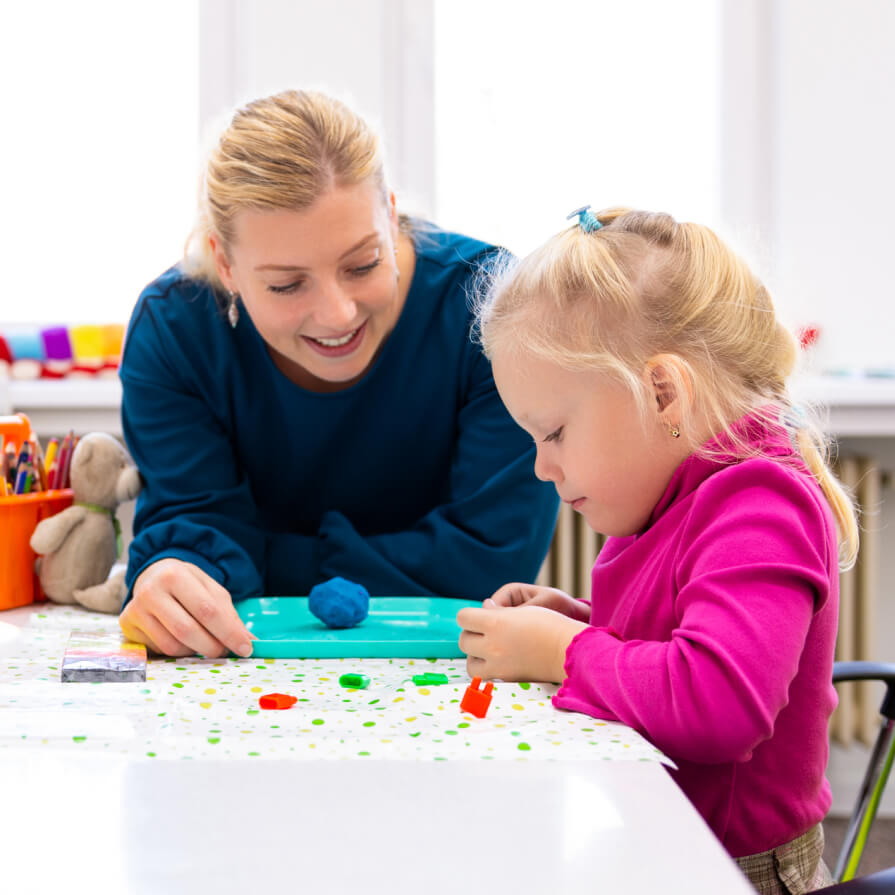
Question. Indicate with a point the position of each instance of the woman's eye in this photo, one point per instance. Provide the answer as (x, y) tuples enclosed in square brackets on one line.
[(287, 289), (554, 435), (364, 269)]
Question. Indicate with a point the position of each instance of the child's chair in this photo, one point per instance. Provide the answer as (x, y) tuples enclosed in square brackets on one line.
[(872, 787)]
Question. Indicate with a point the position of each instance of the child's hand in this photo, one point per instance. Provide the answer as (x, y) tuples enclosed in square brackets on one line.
[(519, 594), (526, 645)]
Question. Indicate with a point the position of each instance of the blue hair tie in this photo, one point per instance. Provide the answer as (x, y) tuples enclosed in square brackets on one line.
[(586, 221)]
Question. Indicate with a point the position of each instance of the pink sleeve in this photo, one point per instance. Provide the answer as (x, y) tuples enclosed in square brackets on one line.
[(752, 567)]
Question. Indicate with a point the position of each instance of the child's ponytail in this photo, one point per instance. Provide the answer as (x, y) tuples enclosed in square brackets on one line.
[(812, 447)]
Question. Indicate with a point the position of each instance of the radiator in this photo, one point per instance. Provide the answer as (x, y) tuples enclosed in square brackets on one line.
[(575, 547), (857, 716)]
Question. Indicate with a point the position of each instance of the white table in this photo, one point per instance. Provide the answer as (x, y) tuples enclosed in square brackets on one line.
[(102, 826), (110, 823)]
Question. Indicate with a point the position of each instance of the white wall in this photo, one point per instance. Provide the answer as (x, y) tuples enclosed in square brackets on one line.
[(808, 189)]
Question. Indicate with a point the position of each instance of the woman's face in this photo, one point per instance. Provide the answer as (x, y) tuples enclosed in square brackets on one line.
[(320, 284)]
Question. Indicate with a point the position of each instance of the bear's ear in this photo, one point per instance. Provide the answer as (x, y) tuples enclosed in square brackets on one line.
[(84, 450)]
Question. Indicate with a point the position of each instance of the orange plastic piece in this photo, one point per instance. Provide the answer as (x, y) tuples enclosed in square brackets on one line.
[(476, 701), (277, 701)]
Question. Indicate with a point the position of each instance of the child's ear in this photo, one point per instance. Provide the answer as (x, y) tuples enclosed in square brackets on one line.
[(221, 262), (669, 383)]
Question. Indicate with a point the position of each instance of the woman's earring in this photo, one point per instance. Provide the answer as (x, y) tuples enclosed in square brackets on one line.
[(233, 310), (674, 432), (397, 269)]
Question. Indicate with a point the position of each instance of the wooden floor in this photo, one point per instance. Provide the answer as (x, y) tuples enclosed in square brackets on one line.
[(879, 853)]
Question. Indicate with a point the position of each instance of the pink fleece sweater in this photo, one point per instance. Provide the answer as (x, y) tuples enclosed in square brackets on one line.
[(712, 633)]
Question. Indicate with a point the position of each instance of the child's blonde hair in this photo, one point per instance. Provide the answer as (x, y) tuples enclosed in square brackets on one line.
[(280, 152), (645, 286)]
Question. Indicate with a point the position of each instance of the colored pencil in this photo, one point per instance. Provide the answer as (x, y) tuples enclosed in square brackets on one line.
[(63, 462), (9, 457), (22, 479), (52, 447), (40, 469)]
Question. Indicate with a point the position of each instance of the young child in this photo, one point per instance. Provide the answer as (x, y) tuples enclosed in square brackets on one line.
[(648, 365)]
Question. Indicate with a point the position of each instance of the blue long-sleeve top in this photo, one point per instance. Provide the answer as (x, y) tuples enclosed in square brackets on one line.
[(414, 480)]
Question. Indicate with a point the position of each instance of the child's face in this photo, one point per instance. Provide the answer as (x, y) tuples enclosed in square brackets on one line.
[(605, 460)]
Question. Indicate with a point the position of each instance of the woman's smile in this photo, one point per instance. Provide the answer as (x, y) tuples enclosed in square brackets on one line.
[(337, 346)]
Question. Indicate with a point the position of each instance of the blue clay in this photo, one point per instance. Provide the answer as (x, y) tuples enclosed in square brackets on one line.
[(339, 603)]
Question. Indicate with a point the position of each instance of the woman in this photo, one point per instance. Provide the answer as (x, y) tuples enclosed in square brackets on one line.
[(303, 399)]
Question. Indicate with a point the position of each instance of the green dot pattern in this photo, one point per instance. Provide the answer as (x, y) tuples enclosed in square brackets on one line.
[(195, 708)]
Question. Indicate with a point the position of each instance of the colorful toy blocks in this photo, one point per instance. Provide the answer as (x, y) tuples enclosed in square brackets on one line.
[(277, 701), (476, 701), (430, 679)]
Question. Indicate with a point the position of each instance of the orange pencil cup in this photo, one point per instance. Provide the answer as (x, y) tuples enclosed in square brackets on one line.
[(15, 429), (19, 516)]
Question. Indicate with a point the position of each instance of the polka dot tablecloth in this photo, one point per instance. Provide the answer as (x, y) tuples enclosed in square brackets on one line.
[(208, 708)]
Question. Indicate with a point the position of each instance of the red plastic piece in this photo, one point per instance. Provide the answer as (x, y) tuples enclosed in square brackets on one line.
[(476, 701), (277, 701)]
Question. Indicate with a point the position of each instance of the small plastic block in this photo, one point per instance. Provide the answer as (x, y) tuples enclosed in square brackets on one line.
[(430, 679), (476, 701), (277, 701), (354, 681)]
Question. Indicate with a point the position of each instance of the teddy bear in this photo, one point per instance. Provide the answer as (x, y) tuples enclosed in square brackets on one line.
[(77, 547)]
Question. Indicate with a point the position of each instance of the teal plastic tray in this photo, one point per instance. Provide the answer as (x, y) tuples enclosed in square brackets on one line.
[(396, 628)]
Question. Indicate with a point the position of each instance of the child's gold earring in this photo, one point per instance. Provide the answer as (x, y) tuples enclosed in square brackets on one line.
[(674, 432)]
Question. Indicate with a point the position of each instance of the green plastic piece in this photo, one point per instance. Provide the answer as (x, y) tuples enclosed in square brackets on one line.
[(396, 628), (354, 681), (430, 679)]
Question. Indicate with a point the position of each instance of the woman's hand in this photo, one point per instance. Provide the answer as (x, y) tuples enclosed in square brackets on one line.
[(179, 610), (519, 594), (527, 643)]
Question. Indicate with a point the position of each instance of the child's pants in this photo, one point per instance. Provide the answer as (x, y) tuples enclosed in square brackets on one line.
[(791, 869)]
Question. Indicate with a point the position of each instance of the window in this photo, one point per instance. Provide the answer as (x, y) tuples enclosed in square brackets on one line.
[(99, 155), (540, 109)]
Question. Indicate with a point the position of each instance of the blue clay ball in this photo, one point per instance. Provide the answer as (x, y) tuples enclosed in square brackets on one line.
[(339, 603)]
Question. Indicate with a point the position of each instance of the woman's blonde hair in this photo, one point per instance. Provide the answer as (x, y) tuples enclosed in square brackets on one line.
[(280, 152), (645, 286)]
